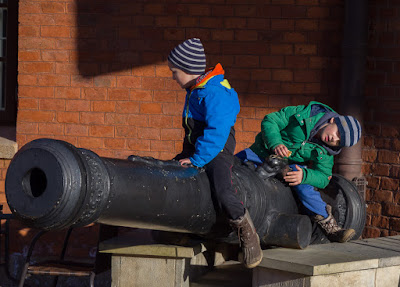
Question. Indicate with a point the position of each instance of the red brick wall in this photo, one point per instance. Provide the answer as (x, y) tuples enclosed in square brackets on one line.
[(382, 120)]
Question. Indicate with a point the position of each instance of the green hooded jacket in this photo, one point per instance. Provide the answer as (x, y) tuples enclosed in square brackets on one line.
[(291, 126)]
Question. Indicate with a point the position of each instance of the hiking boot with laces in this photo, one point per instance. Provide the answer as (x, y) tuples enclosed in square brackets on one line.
[(249, 240), (332, 230)]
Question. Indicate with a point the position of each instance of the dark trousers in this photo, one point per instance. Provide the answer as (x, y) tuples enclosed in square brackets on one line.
[(219, 172)]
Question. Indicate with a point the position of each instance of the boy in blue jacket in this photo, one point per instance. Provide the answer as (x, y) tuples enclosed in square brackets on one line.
[(209, 115)]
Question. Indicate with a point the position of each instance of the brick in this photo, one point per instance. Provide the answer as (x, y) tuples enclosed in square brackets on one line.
[(282, 75), (68, 117), (139, 144), (90, 142), (380, 221), (55, 56), (306, 25), (174, 34), (199, 10), (165, 146), (67, 69), (67, 93), (395, 224), (383, 196), (76, 130), (153, 83), (374, 208), (282, 24), (166, 21), (307, 76), (36, 92), (128, 82), (171, 134), (188, 21), (385, 156), (35, 116), (373, 182), (79, 81), (52, 104), (27, 80), (234, 23), (318, 12), (294, 37), (272, 61), (246, 35), (247, 61), (90, 118), (158, 121), (55, 31), (293, 88), (138, 120), (105, 81), (395, 171), (149, 133), (126, 132), (390, 184), (94, 94), (115, 143), (141, 95), (36, 67), (371, 232), (54, 80), (281, 49), (51, 129), (211, 22), (252, 125), (259, 74), (294, 12), (28, 104), (118, 94), (103, 106), (78, 105), (27, 128), (303, 49), (52, 7), (172, 109), (115, 119), (146, 71), (127, 107), (165, 96), (369, 155), (391, 209), (28, 56), (101, 131)]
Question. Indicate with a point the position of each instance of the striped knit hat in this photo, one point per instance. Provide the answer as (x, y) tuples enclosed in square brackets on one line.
[(189, 56), (349, 129)]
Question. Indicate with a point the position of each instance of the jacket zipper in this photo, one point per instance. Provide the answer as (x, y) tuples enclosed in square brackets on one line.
[(186, 119)]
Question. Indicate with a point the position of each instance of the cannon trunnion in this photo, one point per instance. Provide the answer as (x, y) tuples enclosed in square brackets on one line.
[(51, 184)]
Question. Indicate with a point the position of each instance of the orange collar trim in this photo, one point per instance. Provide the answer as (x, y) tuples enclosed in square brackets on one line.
[(211, 72)]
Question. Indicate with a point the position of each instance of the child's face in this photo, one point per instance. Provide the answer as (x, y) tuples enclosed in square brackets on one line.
[(183, 79), (329, 134)]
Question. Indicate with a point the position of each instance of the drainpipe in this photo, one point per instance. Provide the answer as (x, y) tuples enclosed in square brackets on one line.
[(354, 51)]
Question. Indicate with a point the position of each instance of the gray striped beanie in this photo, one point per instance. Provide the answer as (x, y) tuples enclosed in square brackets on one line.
[(349, 129), (189, 56)]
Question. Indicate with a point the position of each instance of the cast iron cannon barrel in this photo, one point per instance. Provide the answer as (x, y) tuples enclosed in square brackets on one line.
[(51, 184)]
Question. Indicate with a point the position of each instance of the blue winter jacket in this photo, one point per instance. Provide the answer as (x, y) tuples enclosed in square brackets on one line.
[(209, 114)]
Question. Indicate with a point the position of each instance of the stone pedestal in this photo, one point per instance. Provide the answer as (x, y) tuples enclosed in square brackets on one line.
[(141, 262), (369, 262)]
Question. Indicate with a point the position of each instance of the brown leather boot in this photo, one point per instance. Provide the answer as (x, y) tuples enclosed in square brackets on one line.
[(249, 240), (332, 230)]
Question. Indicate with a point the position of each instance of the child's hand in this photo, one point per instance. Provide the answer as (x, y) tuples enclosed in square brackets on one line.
[(282, 151), (185, 162), (294, 177)]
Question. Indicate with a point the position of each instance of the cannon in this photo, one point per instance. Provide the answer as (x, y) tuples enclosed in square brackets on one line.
[(51, 184)]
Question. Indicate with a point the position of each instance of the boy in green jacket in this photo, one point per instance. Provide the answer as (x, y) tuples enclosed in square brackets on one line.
[(307, 135)]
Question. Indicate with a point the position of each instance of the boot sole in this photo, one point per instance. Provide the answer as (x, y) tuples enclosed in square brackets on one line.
[(255, 264)]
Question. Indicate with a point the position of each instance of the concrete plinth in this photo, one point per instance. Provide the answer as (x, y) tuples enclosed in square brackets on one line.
[(137, 262), (370, 262)]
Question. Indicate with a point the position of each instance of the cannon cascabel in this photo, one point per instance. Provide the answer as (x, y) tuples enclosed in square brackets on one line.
[(51, 184)]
